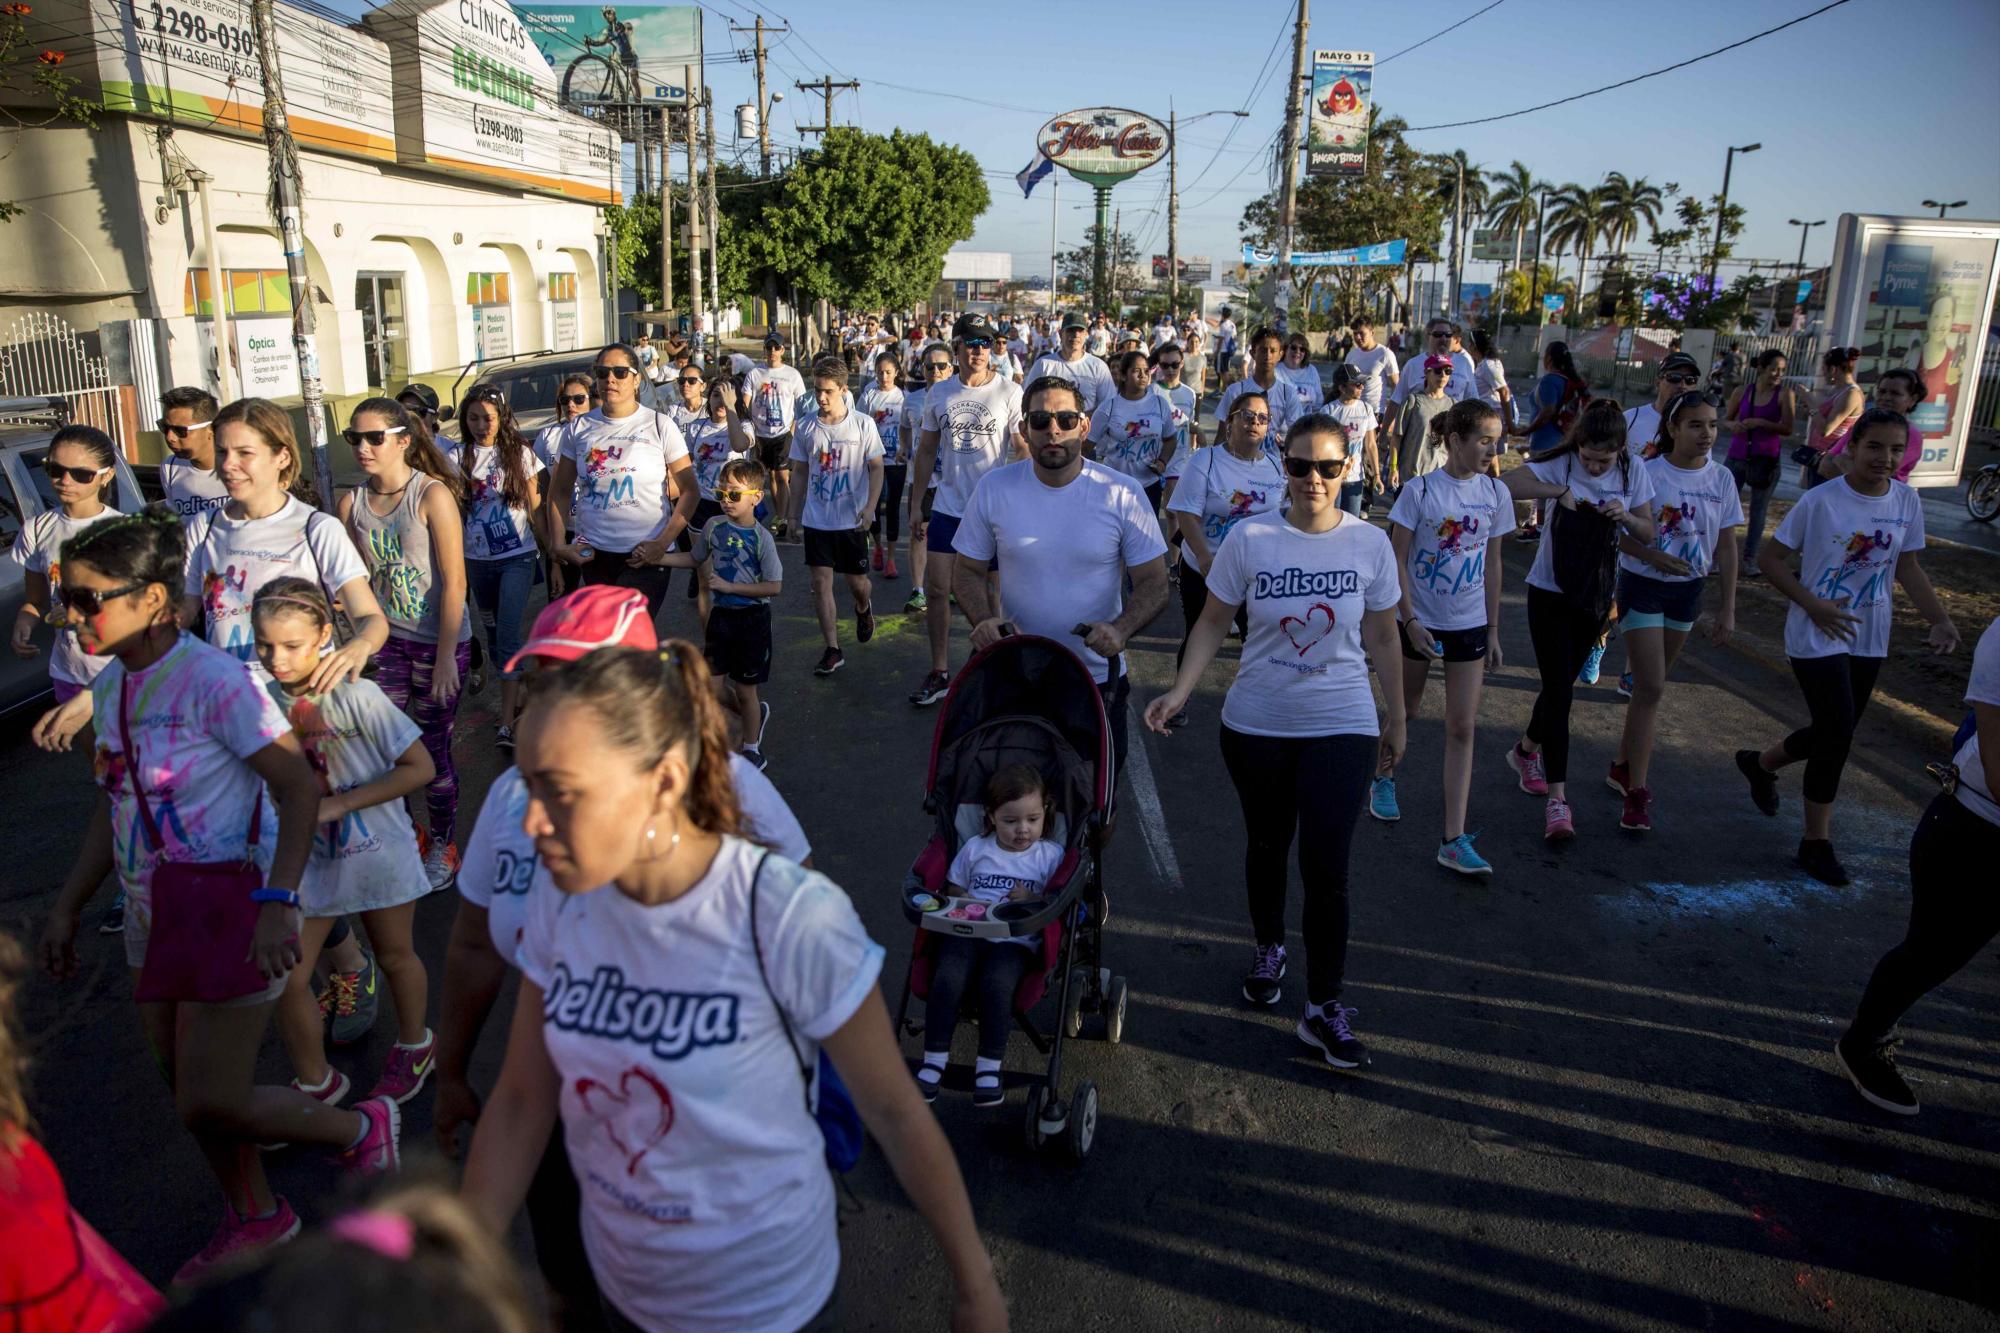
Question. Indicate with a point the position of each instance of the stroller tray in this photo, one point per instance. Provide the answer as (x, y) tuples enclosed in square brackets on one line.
[(974, 919)]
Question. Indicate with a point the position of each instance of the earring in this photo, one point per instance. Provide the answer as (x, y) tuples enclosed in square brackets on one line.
[(653, 853)]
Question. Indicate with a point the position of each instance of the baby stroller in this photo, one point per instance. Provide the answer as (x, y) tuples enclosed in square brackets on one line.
[(1025, 700)]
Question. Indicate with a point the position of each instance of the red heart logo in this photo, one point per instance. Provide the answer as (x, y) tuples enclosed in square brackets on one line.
[(1304, 633), (647, 1124)]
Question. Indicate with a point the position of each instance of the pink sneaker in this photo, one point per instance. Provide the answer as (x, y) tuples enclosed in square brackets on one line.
[(238, 1236), (408, 1070), (379, 1151), (1619, 778), (333, 1094), (1557, 826), (1534, 778)]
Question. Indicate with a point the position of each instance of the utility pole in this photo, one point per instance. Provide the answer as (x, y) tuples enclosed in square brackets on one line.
[(666, 209), (694, 202), (1457, 236), (1173, 211), (826, 88), (714, 233), (1721, 213), (763, 96), (1288, 208), (287, 201)]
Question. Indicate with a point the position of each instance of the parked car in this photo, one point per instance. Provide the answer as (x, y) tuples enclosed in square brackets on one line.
[(26, 426), (530, 384)]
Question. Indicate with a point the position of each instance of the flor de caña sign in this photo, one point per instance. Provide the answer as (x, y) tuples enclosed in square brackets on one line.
[(1102, 145)]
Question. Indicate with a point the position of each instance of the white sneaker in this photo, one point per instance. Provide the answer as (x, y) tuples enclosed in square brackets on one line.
[(441, 865)]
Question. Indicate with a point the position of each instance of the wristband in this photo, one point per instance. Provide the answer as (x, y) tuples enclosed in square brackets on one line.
[(288, 897)]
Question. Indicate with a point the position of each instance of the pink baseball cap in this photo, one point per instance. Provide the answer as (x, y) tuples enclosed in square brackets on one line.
[(599, 616), (1437, 363)]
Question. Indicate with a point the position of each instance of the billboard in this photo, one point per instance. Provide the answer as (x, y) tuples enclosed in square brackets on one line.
[(1337, 128), (657, 42), (1363, 256), (1102, 145), (1193, 268), (1491, 243), (1917, 294)]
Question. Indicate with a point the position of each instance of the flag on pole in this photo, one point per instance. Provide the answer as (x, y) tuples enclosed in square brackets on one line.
[(1028, 176)]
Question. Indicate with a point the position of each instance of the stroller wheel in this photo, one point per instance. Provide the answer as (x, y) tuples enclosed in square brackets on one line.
[(1031, 1123), (1081, 1131), (1114, 1011), (1072, 1019)]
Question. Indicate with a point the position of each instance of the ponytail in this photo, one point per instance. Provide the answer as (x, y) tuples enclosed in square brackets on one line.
[(1558, 355), (1462, 418), (711, 798)]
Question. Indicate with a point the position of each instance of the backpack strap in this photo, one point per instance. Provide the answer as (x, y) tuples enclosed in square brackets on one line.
[(763, 975)]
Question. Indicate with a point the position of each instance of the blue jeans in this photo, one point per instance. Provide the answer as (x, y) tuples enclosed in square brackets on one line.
[(1760, 502), (499, 588), (1350, 497)]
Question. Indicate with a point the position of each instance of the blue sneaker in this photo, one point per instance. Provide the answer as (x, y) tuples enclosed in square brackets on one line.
[(1625, 685), (1382, 800), (1588, 676), (1459, 855)]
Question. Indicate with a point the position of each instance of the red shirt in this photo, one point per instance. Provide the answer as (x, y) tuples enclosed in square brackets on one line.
[(57, 1275)]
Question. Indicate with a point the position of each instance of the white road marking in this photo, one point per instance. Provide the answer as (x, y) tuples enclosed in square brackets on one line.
[(1146, 796)]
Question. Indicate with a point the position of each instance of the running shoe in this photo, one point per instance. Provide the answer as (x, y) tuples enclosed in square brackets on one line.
[(876, 560), (1460, 855), (1816, 858), (1591, 666), (763, 723), (1557, 823), (935, 686), (1331, 1033), (917, 603), (441, 864), (356, 997), (864, 623), (1534, 777), (755, 758), (238, 1236), (1531, 533), (1763, 782), (1638, 816), (332, 1094), (889, 570), (1382, 800), (114, 919), (778, 530), (1267, 968), (409, 1068), (1619, 778), (380, 1150), (1625, 684), (830, 661), (1871, 1068), (503, 737)]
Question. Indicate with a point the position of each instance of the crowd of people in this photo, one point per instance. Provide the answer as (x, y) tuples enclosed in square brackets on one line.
[(269, 690)]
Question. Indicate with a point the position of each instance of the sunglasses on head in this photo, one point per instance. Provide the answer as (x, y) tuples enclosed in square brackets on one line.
[(613, 372), (1328, 468), (576, 399), (738, 496), (82, 476), (181, 432), (374, 439), (1039, 420), (90, 601)]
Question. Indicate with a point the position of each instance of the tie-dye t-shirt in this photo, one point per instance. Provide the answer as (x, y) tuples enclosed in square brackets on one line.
[(353, 736), (1692, 508), (229, 559), (195, 716)]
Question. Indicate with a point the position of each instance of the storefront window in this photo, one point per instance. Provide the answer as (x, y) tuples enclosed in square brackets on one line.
[(492, 315), (385, 329)]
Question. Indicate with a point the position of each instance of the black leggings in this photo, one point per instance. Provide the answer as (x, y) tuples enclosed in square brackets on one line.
[(998, 968), (1289, 782), (1953, 915), (553, 1206), (1837, 689), (889, 509), (651, 581), (1194, 596), (1563, 636)]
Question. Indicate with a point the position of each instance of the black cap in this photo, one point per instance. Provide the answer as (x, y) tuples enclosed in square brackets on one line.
[(973, 326), (423, 393), (1344, 375), (1679, 361), (776, 339)]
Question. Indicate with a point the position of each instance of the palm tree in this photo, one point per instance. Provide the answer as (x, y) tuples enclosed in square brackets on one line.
[(1456, 172), (1514, 203), (1628, 205), (1575, 222)]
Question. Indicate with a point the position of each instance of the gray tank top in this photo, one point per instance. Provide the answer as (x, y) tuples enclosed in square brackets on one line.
[(397, 547)]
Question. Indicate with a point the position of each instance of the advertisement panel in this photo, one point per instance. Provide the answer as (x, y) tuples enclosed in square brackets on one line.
[(1193, 268), (1491, 243), (1337, 129), (583, 42), (267, 365), (1917, 294), (1384, 253), (1102, 145)]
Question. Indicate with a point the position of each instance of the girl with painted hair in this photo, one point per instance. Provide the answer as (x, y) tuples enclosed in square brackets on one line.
[(725, 966)]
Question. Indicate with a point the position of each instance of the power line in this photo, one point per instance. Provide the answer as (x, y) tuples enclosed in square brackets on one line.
[(1441, 32), (1637, 78)]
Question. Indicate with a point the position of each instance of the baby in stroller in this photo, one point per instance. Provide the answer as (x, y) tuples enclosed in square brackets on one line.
[(1012, 861)]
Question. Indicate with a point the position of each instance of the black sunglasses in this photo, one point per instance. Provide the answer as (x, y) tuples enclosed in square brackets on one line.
[(737, 497), (1328, 468), (1170, 365), (181, 432), (690, 379), (89, 601), (82, 476), (613, 372), (372, 438), (1681, 379), (1441, 333), (1042, 420), (576, 399), (938, 367)]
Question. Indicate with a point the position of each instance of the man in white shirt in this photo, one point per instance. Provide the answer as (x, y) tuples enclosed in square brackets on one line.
[(1084, 369), (189, 478), (1678, 373), (1440, 339), (1375, 364), (1097, 339), (1163, 332), (774, 390), (1464, 371), (1225, 346), (1067, 534)]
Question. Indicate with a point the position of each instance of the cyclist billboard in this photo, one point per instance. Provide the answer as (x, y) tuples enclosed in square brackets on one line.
[(617, 53)]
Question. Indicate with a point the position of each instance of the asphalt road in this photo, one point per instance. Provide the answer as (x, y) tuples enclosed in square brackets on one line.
[(1602, 1094)]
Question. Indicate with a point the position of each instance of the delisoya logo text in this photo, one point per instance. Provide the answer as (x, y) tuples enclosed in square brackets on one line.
[(670, 1023)]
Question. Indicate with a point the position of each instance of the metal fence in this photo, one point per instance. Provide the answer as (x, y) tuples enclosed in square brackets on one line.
[(42, 356)]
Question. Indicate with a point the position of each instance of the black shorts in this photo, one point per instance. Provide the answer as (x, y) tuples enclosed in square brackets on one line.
[(1115, 694), (771, 453), (930, 499), (1650, 603), (845, 551), (1460, 645), (738, 643)]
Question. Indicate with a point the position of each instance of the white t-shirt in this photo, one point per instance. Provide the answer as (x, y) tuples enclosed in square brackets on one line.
[(910, 426), (1450, 524), (1304, 670), (621, 475), (1642, 424), (190, 490), (990, 873), (368, 861), (1983, 688), (548, 444), (1629, 485), (1357, 420), (1129, 433), (1691, 511), (1097, 342), (706, 1203), (976, 429), (1848, 545), (1186, 414), (1283, 399), (774, 395), (1088, 373), (1163, 333), (38, 549), (885, 407), (1489, 377), (1063, 550), (1226, 337), (1375, 365), (1222, 490), (836, 458), (1312, 389), (229, 559), (494, 529), (710, 448)]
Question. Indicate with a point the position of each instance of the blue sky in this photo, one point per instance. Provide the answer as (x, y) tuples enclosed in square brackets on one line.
[(1871, 107)]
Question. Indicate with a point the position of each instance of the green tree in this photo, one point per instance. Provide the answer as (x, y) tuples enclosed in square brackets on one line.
[(34, 90), (1514, 205), (1629, 205), (1575, 224), (1448, 167), (635, 231), (1077, 267)]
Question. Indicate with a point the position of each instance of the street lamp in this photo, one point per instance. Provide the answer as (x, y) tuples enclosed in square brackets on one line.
[(1941, 207), (1722, 210), (1805, 230), (1174, 199)]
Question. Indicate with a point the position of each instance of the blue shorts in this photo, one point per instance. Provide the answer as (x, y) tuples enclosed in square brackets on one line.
[(1649, 603), (940, 530)]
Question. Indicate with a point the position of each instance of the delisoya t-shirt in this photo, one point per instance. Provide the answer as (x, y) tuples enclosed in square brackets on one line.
[(1128, 433), (1692, 508), (196, 717), (774, 395), (229, 559), (190, 490), (710, 447), (1983, 688), (494, 529), (621, 474), (976, 427), (741, 555), (885, 408), (1848, 545), (1304, 671), (38, 549), (990, 873), (1623, 481), (836, 455), (706, 1203), (1222, 490), (352, 736), (1450, 523)]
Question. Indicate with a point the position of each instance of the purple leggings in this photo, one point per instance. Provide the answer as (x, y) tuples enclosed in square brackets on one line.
[(403, 670)]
